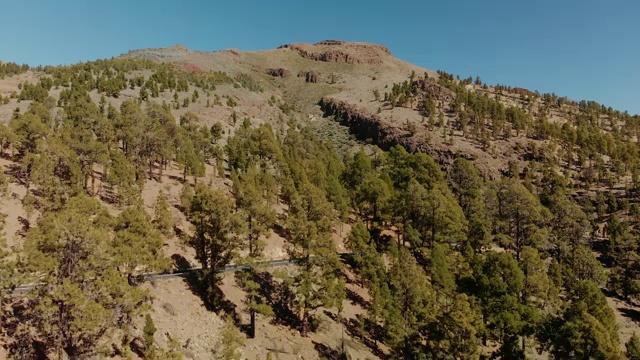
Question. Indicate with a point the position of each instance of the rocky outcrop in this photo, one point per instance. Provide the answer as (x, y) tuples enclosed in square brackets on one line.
[(309, 76), (330, 42), (340, 51), (385, 135), (437, 91), (280, 72), (367, 126)]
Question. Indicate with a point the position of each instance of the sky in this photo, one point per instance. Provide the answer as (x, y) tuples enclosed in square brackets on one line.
[(582, 49)]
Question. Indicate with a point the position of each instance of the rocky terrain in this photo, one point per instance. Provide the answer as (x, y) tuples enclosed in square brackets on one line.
[(340, 91), (334, 79)]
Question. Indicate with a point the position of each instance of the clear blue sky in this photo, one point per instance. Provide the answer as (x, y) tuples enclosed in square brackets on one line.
[(583, 49)]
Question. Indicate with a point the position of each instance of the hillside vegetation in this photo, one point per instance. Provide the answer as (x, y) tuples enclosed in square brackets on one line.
[(426, 216)]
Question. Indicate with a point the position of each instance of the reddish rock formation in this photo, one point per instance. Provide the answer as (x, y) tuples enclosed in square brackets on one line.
[(350, 53), (280, 72), (309, 76)]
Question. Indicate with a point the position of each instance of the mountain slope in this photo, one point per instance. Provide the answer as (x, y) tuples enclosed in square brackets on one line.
[(355, 95)]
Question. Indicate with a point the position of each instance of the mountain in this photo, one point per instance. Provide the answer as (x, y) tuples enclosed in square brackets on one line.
[(410, 212), (332, 78)]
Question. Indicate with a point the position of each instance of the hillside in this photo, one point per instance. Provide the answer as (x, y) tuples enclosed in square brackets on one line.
[(479, 218)]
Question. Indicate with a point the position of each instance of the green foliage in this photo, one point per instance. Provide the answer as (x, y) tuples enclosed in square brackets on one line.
[(516, 214), (75, 307), (10, 69), (310, 222), (36, 92), (499, 282), (633, 348), (149, 331), (216, 132), (230, 341), (447, 260), (214, 238), (246, 81), (440, 271), (586, 329), (251, 191), (29, 130), (162, 218), (137, 245), (9, 272), (412, 306), (454, 334)]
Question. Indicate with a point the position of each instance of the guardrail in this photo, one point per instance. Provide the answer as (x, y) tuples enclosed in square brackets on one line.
[(183, 273)]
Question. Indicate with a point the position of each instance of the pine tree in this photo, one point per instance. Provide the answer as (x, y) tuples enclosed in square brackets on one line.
[(75, 308), (516, 213), (441, 275), (455, 333), (467, 185), (626, 261), (586, 329), (499, 283), (230, 342), (434, 214), (173, 350), (137, 245), (149, 331), (633, 348), (29, 203), (9, 275), (162, 218), (216, 131), (372, 196), (412, 306), (569, 226), (258, 219), (214, 237), (316, 284)]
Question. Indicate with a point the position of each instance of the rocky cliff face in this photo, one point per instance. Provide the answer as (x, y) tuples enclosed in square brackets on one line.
[(309, 76), (340, 51), (385, 135)]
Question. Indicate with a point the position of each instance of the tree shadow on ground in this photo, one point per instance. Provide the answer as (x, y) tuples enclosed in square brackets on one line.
[(328, 353), (180, 262), (108, 195), (280, 298), (614, 295), (356, 299), (178, 231), (179, 179), (632, 314), (15, 170), (370, 336), (180, 208), (204, 286), (367, 332), (26, 225), (281, 231)]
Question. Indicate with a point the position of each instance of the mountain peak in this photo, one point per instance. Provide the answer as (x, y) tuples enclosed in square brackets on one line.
[(341, 51)]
